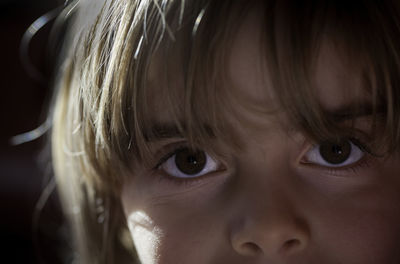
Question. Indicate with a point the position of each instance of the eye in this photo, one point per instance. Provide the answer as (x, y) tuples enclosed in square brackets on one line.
[(187, 163), (334, 154)]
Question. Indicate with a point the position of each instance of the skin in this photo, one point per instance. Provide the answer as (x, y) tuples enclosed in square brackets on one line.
[(270, 202)]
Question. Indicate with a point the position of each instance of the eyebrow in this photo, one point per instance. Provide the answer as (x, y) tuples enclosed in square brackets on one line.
[(353, 111), (160, 131), (163, 131)]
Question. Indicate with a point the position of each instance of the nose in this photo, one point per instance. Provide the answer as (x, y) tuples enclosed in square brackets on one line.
[(275, 235)]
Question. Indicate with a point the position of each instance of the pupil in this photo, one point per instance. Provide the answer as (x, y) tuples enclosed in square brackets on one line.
[(190, 162), (192, 159), (337, 149), (335, 152)]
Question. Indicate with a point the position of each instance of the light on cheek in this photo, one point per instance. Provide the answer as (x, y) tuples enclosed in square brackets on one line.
[(146, 237)]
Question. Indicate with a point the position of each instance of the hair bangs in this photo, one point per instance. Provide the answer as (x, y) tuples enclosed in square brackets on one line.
[(195, 55), (123, 55), (294, 35)]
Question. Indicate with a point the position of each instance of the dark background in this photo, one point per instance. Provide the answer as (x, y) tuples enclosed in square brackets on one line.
[(22, 108)]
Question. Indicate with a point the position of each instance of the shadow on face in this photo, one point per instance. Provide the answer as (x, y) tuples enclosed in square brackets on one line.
[(279, 199)]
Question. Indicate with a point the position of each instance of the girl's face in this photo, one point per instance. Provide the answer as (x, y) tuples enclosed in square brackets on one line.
[(281, 198)]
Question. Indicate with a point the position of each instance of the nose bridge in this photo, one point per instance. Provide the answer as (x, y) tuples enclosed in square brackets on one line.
[(272, 208), (268, 221)]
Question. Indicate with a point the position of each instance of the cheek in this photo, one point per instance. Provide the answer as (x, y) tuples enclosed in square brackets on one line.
[(146, 236), (171, 235), (170, 228), (357, 219), (365, 230), (367, 239)]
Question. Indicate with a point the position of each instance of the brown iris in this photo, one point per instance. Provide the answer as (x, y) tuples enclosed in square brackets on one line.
[(190, 162), (335, 152)]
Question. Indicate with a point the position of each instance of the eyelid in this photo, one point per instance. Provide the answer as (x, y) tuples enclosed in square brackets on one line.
[(313, 155), (203, 177), (362, 146), (166, 148), (342, 170), (169, 149), (367, 149), (168, 155), (171, 168), (365, 162)]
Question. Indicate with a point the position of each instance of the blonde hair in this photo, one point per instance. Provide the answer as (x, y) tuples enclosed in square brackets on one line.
[(100, 116)]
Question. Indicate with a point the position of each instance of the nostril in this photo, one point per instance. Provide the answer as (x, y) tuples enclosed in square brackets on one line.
[(250, 249), (291, 245)]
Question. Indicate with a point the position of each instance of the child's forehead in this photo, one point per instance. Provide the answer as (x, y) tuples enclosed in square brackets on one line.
[(248, 76), (245, 83), (337, 82)]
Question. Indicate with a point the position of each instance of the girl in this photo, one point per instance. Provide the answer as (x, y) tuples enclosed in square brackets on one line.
[(230, 131)]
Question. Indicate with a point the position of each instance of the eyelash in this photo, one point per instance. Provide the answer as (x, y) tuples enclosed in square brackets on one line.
[(364, 147), (365, 162), (169, 154), (165, 177), (173, 149)]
